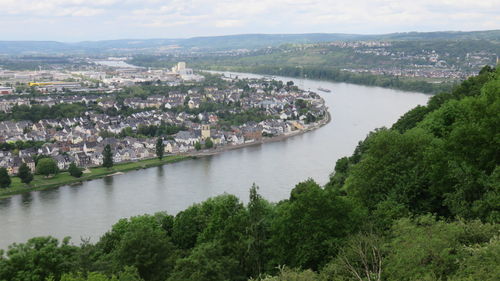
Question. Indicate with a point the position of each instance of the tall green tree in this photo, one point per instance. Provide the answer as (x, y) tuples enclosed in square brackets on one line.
[(197, 145), (47, 167), (4, 178), (258, 231), (310, 226), (107, 157), (74, 171), (160, 148), (25, 174), (209, 143), (141, 242)]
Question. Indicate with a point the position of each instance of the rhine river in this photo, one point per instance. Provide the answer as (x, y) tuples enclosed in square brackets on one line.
[(88, 210)]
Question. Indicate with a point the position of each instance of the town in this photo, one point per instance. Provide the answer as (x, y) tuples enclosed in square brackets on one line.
[(129, 109)]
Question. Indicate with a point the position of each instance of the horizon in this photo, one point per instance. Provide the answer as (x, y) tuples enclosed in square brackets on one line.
[(97, 20), (246, 34)]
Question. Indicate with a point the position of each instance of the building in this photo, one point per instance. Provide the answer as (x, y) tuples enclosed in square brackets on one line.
[(6, 90), (205, 131)]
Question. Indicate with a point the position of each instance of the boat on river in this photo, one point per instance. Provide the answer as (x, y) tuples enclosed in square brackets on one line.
[(324, 90)]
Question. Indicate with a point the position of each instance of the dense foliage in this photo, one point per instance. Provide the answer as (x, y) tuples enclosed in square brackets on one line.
[(5, 180), (37, 112), (74, 171), (419, 201), (47, 167), (25, 174), (107, 154)]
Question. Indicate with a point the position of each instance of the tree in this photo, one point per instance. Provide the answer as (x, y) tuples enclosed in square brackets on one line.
[(361, 258), (427, 249), (197, 145), (160, 148), (206, 262), (311, 225), (74, 170), (258, 229), (4, 178), (141, 242), (209, 143), (25, 174), (108, 157), (38, 259), (47, 167)]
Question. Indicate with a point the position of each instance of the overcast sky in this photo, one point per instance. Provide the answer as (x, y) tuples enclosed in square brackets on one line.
[(78, 20)]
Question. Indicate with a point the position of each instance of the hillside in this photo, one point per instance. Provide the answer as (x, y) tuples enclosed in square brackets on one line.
[(219, 43)]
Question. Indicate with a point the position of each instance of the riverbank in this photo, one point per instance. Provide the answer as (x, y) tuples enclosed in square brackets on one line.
[(42, 183), (410, 84), (221, 149), (63, 178)]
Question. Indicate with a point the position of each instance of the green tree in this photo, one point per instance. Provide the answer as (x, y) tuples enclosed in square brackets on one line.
[(360, 258), (74, 171), (427, 249), (160, 148), (311, 225), (128, 274), (287, 274), (47, 167), (206, 262), (141, 242), (107, 157), (258, 232), (25, 174), (209, 143), (37, 260), (4, 178), (197, 145)]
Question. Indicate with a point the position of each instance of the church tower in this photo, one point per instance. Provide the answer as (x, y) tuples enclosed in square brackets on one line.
[(205, 131)]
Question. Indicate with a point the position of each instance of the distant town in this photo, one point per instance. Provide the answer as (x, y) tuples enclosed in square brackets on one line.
[(71, 115)]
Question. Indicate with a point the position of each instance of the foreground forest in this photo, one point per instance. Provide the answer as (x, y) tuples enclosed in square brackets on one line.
[(418, 201)]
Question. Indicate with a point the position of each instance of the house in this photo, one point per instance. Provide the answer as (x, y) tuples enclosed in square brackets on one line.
[(29, 162), (252, 133), (13, 165), (82, 159), (117, 157), (186, 138), (97, 159), (63, 161)]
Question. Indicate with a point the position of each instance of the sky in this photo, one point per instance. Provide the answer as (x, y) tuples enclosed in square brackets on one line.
[(90, 20)]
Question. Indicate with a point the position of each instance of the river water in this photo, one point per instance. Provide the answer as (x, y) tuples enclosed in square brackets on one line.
[(89, 209)]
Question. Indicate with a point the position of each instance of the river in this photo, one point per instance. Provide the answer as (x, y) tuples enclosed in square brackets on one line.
[(91, 208)]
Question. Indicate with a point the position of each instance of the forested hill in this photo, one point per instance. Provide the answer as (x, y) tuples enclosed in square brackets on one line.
[(418, 201), (218, 43)]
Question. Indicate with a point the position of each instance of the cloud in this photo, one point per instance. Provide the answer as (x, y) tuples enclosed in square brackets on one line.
[(228, 23), (186, 18)]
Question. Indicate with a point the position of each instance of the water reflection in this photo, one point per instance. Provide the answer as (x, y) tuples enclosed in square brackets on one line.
[(26, 198), (108, 181), (48, 195), (160, 171), (5, 203)]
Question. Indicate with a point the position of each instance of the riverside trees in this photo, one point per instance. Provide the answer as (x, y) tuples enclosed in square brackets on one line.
[(25, 174), (4, 178), (107, 157), (160, 148), (47, 167)]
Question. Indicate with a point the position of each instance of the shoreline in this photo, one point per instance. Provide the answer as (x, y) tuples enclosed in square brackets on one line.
[(64, 178), (216, 151)]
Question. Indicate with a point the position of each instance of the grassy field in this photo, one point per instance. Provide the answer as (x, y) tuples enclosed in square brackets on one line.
[(63, 178)]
